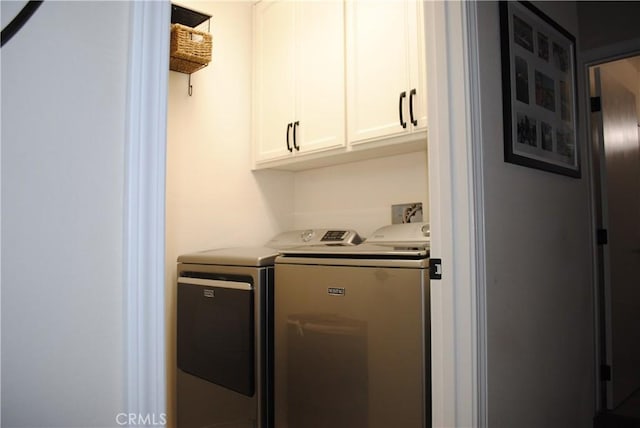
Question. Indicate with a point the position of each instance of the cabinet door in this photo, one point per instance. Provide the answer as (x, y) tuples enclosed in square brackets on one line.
[(417, 60), (320, 108), (384, 61), (274, 77)]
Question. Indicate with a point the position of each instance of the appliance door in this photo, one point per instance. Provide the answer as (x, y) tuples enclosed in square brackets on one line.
[(216, 332), (351, 347), (224, 326)]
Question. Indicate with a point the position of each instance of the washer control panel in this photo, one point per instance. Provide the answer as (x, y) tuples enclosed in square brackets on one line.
[(334, 236), (308, 237)]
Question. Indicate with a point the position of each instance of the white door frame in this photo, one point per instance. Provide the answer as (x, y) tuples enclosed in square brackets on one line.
[(144, 253), (456, 215), (455, 200)]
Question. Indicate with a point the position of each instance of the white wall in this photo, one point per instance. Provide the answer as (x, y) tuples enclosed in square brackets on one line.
[(539, 268), (213, 198), (63, 110), (359, 195)]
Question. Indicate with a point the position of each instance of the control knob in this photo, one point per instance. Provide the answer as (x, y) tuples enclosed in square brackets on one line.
[(307, 235)]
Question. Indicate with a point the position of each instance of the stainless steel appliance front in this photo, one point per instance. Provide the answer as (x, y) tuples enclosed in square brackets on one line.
[(225, 331), (352, 343), (223, 346)]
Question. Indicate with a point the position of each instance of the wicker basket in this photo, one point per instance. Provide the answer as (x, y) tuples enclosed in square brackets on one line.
[(190, 49)]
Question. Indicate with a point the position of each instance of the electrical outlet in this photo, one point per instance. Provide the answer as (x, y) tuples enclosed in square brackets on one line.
[(406, 213)]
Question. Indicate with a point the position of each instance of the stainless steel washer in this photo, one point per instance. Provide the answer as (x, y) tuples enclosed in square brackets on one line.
[(352, 333), (225, 330)]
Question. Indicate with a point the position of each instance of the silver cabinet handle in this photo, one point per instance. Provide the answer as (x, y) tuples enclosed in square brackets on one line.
[(215, 283)]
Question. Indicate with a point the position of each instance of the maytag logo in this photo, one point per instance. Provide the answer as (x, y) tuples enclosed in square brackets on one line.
[(335, 291), (209, 293)]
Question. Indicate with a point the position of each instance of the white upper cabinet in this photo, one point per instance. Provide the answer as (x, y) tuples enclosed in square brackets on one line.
[(386, 80), (337, 81), (299, 93), (274, 77)]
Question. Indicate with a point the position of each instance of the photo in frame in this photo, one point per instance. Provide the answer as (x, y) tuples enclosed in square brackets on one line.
[(538, 90)]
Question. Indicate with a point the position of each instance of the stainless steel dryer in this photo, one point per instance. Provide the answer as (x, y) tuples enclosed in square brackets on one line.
[(225, 331), (352, 333)]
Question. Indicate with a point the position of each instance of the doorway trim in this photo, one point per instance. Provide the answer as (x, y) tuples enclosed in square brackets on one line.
[(455, 173), (458, 306), (609, 53), (144, 204), (593, 58)]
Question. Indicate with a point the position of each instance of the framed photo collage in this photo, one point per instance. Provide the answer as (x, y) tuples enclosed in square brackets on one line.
[(539, 90)]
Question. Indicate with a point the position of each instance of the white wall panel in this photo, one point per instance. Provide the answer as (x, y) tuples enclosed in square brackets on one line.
[(359, 195), (63, 127)]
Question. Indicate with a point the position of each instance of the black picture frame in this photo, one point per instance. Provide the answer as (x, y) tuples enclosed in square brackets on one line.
[(539, 90)]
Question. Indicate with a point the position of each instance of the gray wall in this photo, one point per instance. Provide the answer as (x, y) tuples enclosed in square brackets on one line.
[(604, 23), (63, 114), (539, 274)]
